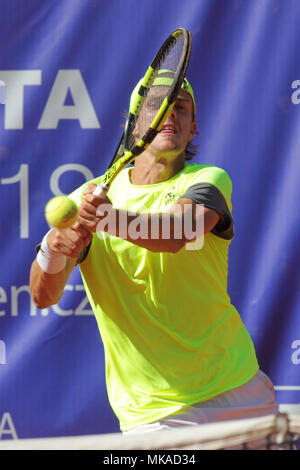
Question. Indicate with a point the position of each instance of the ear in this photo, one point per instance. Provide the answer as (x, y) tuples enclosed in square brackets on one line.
[(193, 130)]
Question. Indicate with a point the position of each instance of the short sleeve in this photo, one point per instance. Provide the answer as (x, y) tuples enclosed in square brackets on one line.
[(211, 186), (210, 196)]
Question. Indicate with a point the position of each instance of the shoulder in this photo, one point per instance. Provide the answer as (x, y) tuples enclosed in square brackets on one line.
[(194, 173)]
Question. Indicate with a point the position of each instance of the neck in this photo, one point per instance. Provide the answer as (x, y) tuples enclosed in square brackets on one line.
[(150, 170)]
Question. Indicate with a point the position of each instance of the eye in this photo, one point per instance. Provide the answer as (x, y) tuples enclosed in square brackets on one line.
[(155, 103)]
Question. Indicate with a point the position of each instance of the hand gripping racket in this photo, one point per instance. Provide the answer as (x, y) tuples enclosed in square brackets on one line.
[(151, 102)]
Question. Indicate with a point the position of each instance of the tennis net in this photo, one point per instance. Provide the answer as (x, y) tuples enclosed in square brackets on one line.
[(271, 432)]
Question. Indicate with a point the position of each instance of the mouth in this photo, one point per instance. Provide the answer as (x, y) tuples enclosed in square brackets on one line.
[(168, 129)]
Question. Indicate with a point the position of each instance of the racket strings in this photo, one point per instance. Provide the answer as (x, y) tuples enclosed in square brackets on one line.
[(152, 96)]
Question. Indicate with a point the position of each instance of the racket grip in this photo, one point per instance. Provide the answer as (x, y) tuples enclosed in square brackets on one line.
[(99, 188)]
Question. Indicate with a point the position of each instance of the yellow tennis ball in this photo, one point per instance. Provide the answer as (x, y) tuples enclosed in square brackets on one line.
[(61, 212)]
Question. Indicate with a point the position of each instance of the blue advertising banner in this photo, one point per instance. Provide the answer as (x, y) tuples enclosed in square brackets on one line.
[(67, 68)]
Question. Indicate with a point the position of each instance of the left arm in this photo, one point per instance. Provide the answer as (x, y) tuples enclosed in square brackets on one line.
[(119, 223)]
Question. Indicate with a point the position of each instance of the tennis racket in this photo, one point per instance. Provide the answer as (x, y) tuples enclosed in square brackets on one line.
[(151, 102)]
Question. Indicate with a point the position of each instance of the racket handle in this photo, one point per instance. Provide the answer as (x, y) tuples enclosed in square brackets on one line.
[(99, 188)]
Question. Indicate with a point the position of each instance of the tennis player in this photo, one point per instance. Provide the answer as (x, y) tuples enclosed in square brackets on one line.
[(177, 352)]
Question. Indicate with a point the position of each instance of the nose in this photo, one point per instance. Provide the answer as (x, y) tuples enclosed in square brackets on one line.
[(173, 113)]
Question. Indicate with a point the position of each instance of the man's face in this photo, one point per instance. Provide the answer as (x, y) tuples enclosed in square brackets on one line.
[(179, 128)]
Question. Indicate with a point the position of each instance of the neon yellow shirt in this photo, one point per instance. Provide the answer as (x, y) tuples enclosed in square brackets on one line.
[(171, 336)]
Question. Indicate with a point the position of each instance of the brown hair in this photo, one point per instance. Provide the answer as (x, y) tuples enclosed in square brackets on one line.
[(191, 151)]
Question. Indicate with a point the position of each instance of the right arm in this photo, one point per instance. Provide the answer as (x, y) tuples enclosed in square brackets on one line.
[(47, 289)]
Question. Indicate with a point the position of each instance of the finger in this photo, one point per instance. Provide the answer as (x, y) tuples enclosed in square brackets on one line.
[(81, 230), (90, 189), (89, 206), (83, 214), (88, 224), (95, 200)]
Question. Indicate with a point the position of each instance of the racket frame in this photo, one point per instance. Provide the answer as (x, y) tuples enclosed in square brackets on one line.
[(122, 159)]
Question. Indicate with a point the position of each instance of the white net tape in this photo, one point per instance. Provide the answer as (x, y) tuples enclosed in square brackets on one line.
[(269, 432)]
